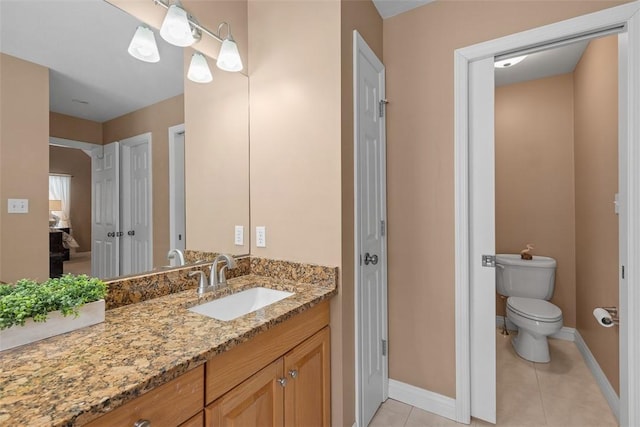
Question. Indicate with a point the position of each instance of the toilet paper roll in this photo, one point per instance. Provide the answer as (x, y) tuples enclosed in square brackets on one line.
[(603, 317)]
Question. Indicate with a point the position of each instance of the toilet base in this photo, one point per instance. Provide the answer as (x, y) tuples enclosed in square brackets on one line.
[(534, 348)]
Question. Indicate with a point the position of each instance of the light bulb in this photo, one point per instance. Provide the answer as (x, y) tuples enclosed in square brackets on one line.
[(176, 29), (199, 71), (143, 45), (229, 58)]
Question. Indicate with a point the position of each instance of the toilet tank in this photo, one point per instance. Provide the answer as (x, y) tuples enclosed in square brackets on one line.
[(516, 277)]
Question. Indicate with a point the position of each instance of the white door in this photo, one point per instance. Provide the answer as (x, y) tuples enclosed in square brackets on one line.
[(371, 256), (105, 211), (136, 230), (482, 280), (177, 221)]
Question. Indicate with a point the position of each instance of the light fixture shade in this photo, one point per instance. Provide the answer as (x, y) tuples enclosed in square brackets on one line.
[(199, 71), (55, 205), (229, 58), (176, 29), (505, 63), (143, 45)]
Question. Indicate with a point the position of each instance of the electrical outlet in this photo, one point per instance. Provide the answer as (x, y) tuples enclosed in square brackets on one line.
[(261, 237), (239, 235), (18, 206)]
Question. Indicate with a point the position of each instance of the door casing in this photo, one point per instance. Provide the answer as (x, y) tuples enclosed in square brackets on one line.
[(626, 17)]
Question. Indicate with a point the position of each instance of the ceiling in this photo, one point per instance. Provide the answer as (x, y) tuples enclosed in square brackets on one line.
[(547, 63), (389, 8), (84, 44)]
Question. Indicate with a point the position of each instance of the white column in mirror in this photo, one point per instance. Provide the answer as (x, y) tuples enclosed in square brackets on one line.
[(239, 235), (261, 236)]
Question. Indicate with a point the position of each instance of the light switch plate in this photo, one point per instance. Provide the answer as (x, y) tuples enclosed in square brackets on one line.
[(18, 206), (261, 237), (239, 235)]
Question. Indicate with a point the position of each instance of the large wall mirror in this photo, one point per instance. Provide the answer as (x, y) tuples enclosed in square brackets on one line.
[(181, 148)]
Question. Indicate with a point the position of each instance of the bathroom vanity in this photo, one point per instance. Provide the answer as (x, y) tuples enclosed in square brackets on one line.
[(158, 361)]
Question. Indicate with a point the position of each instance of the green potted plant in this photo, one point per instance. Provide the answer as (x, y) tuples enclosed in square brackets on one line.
[(31, 311)]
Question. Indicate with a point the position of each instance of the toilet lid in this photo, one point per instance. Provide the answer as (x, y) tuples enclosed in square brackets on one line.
[(535, 309)]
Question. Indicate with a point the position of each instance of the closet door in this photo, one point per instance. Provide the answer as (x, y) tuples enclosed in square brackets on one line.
[(105, 211)]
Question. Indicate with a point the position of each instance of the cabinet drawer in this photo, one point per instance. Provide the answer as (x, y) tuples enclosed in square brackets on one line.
[(168, 405)]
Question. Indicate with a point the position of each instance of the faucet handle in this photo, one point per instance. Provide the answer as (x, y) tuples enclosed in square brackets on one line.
[(202, 283)]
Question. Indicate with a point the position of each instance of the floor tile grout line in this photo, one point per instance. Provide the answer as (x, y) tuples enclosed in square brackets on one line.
[(544, 411), (406, 420)]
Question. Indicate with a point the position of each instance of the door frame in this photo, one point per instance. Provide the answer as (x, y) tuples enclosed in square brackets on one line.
[(173, 172), (125, 195), (627, 16), (360, 47)]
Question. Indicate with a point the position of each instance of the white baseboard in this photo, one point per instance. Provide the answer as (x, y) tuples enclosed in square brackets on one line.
[(604, 384), (566, 333), (423, 399)]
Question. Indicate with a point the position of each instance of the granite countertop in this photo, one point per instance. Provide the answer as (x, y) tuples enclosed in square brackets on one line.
[(76, 377)]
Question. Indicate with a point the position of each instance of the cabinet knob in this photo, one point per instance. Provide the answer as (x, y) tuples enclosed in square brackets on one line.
[(282, 381), (142, 423), (293, 373)]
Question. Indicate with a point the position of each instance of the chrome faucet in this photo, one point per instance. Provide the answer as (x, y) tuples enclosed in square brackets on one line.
[(172, 254), (218, 280)]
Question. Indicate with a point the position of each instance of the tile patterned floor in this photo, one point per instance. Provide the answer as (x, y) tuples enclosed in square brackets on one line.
[(562, 393)]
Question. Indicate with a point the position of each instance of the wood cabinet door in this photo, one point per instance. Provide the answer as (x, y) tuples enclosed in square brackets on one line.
[(258, 401), (307, 393)]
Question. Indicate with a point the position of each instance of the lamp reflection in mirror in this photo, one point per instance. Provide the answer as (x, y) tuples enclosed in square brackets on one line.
[(54, 205), (199, 71), (143, 45), (176, 28)]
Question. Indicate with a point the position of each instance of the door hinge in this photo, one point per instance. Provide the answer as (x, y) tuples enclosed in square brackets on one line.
[(383, 227), (384, 347), (360, 259), (488, 260), (381, 107), (623, 271)]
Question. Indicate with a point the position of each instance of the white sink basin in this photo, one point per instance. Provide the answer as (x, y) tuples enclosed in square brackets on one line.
[(236, 305)]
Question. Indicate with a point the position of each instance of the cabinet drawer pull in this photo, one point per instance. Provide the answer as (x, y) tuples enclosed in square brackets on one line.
[(282, 381), (142, 423), (293, 373)]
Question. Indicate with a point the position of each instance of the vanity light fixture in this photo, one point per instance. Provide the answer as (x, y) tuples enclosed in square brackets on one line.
[(510, 62), (181, 29), (143, 45), (177, 29), (199, 71)]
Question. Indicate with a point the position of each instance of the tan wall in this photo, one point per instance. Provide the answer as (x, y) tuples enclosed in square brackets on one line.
[(295, 98), (156, 119), (74, 128), (596, 151), (77, 164), (535, 178), (418, 54), (217, 162), (362, 16), (24, 158)]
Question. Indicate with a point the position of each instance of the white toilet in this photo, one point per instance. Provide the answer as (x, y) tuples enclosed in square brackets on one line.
[(529, 285)]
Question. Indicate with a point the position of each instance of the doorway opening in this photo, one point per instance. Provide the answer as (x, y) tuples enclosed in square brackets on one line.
[(475, 226)]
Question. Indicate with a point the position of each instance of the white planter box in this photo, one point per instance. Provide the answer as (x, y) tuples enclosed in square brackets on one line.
[(56, 324)]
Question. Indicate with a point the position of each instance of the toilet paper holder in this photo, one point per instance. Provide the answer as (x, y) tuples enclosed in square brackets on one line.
[(613, 312)]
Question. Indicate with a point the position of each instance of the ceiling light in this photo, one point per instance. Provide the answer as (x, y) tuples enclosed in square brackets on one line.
[(143, 45), (176, 28), (199, 71), (228, 57), (506, 63)]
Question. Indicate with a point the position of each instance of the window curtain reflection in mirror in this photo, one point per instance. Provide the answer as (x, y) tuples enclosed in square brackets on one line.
[(59, 190)]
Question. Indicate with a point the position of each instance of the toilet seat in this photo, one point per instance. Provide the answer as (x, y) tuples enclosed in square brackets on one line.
[(534, 309)]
